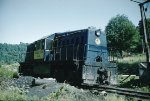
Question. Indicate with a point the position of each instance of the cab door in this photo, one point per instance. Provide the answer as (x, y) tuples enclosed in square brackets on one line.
[(39, 50)]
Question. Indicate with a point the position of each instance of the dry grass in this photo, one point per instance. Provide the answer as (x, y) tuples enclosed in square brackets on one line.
[(133, 59), (70, 93), (15, 94)]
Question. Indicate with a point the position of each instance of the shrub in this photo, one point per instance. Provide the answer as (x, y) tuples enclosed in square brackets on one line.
[(129, 65), (15, 75), (9, 71), (6, 73)]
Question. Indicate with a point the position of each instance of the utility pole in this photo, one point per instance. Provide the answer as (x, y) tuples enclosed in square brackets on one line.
[(147, 48)]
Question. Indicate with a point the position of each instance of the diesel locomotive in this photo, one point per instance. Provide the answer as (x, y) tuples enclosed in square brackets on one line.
[(79, 56)]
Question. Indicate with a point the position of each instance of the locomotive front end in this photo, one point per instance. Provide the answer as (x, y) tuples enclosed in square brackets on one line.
[(97, 69)]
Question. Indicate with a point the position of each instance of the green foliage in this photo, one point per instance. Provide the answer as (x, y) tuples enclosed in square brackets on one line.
[(145, 88), (11, 53), (5, 73), (9, 71), (135, 83), (15, 75), (129, 65), (126, 68), (122, 34)]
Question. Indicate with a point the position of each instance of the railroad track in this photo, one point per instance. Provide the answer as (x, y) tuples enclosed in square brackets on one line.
[(120, 91), (106, 88)]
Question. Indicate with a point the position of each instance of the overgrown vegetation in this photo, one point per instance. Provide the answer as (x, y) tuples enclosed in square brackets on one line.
[(135, 83), (129, 64), (9, 71)]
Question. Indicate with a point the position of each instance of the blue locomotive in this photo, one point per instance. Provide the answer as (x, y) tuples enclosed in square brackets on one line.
[(79, 56)]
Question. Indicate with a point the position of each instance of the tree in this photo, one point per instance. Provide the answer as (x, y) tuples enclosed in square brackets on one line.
[(10, 53), (122, 34)]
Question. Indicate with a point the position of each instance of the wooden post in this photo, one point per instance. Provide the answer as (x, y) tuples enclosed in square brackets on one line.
[(147, 49)]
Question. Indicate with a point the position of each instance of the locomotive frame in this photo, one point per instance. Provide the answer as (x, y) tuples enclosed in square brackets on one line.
[(76, 56)]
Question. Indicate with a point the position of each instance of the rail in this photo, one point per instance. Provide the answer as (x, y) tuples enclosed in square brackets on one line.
[(120, 91)]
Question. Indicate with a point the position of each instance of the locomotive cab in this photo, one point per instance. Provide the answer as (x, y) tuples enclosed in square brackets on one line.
[(37, 56), (43, 48)]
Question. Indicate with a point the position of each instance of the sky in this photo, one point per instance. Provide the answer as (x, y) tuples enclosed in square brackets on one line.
[(29, 20)]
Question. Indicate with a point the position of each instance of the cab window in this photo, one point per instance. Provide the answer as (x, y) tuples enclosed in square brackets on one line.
[(49, 44), (39, 45)]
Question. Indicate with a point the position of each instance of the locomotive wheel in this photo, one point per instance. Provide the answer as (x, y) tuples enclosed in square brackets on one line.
[(60, 75)]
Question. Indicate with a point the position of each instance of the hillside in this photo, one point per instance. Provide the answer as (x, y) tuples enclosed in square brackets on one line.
[(11, 53)]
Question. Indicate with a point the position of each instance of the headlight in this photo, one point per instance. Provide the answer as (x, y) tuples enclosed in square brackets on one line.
[(98, 32), (97, 41)]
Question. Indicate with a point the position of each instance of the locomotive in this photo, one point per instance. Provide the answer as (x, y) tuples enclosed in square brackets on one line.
[(79, 56)]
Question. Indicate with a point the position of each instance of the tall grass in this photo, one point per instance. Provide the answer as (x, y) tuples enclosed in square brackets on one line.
[(9, 71), (133, 59), (5, 73), (129, 65)]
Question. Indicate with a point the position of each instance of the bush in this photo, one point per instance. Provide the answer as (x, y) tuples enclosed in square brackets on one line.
[(15, 75), (6, 73), (9, 71), (129, 65), (128, 68)]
